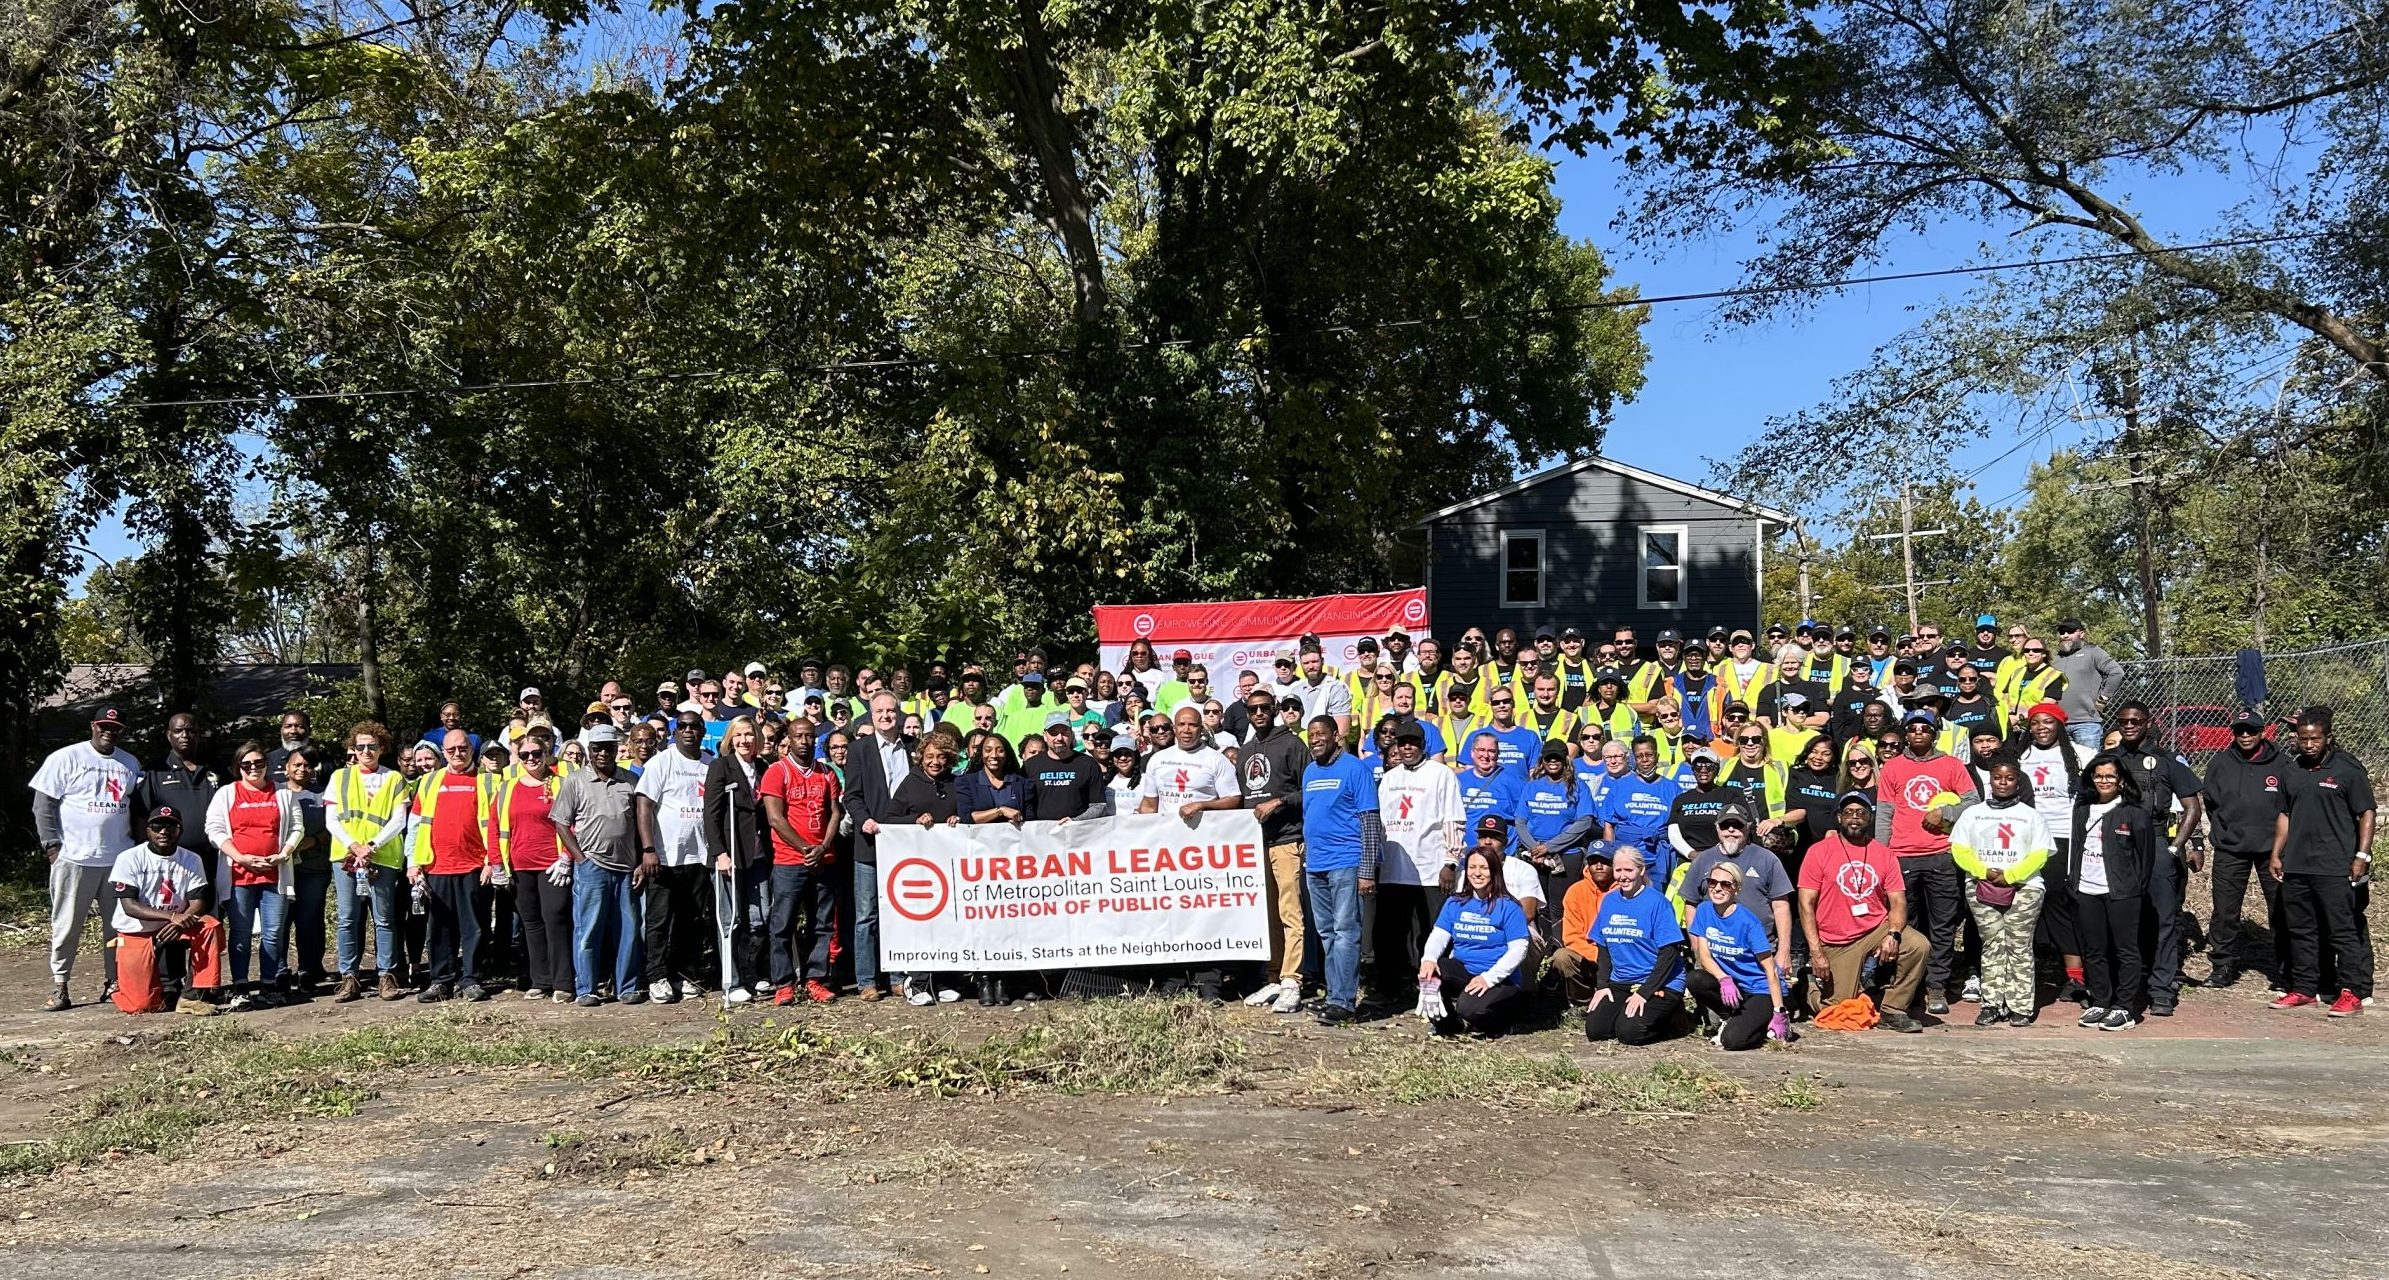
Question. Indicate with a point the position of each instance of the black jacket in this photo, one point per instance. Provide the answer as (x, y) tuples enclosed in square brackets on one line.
[(867, 795), (733, 816), (2128, 841), (2243, 796), (920, 794)]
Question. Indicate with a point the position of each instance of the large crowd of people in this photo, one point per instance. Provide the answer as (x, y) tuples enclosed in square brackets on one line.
[(1725, 833)]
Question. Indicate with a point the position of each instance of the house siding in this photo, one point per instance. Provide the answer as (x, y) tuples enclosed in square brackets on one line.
[(1590, 520)]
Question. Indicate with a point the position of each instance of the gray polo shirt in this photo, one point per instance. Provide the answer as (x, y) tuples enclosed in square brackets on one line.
[(596, 809)]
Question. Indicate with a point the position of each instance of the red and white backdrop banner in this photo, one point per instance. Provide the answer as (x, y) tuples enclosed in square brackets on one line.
[(1238, 635)]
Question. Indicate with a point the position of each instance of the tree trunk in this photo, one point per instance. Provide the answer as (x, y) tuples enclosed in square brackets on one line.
[(369, 641), (1036, 88)]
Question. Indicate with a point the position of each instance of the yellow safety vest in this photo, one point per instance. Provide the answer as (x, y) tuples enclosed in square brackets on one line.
[(361, 809), (1837, 671), (1560, 728), (1621, 722), (503, 806), (427, 791), (1774, 782), (1739, 690)]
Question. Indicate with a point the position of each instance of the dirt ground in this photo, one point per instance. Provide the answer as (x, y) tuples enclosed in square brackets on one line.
[(2227, 1141)]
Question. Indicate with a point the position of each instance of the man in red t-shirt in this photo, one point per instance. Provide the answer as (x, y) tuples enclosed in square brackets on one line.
[(800, 805), (450, 859), (1854, 903), (1917, 830)]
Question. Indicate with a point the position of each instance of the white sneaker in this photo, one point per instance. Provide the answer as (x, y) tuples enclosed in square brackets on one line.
[(659, 991), (738, 995), (1973, 994), (948, 995), (919, 997), (1264, 995), (1289, 998)]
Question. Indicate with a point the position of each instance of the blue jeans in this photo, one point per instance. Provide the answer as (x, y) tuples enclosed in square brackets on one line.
[(271, 910), (311, 884), (1335, 905), (605, 923), (866, 928), (2087, 734), (381, 892)]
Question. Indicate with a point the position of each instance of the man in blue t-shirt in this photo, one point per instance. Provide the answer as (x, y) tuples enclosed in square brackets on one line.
[(1635, 808), (1341, 837), (1639, 984), (1516, 744), (1486, 787)]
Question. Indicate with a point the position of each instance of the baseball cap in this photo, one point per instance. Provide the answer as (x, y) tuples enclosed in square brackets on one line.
[(667, 687), (1073, 682), (1366, 644), (1806, 624), (1570, 633), (1413, 731), (1734, 814), (1717, 633), (1848, 798), (1609, 675), (529, 692), (165, 813), (1878, 633), (1546, 633), (1032, 677), (2069, 624), (2247, 719), (1182, 655), (109, 716), (1845, 633), (1284, 661), (1903, 666), (938, 684), (1057, 719), (1551, 750), (757, 669), (1705, 756), (598, 709), (1793, 700), (694, 675), (1493, 824), (1124, 742), (809, 664), (1986, 622), (1668, 636), (1741, 635), (598, 735), (1919, 715)]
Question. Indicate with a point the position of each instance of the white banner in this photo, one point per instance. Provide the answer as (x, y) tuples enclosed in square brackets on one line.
[(1125, 890)]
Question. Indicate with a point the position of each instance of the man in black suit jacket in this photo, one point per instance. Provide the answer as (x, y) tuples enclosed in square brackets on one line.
[(875, 763)]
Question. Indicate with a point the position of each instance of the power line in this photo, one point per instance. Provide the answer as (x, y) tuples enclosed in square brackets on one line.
[(917, 362)]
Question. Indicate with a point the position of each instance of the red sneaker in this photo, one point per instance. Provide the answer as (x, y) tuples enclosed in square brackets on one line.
[(785, 995), (2347, 1005), (818, 991), (2293, 1000)]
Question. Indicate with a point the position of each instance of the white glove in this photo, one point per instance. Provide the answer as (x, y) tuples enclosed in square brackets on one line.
[(1430, 1005), (560, 873)]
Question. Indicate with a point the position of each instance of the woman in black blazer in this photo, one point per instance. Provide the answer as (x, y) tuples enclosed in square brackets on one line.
[(930, 795), (2114, 853), (734, 841)]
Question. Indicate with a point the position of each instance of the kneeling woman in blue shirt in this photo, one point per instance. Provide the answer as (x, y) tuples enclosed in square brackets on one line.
[(1735, 978), (1476, 947), (1640, 986)]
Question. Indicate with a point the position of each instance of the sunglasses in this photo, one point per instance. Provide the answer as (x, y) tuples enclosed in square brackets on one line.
[(1752, 742), (1670, 717), (161, 826), (365, 746), (2034, 649), (1723, 884), (2132, 720), (247, 765), (2249, 730), (531, 755)]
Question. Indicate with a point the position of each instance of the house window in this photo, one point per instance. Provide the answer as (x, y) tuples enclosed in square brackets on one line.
[(1522, 569), (1662, 576)]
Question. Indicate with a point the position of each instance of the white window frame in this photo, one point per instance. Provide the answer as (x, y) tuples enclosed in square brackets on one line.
[(1642, 572), (1542, 568)]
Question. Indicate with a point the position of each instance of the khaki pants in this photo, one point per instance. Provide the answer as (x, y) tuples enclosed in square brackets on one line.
[(1576, 972), (1845, 964), (1285, 910)]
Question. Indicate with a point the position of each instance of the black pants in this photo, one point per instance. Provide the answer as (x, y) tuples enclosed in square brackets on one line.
[(1936, 902), (451, 927), (2161, 927), (678, 907), (2360, 900), (2056, 930), (2233, 870), (1488, 1014), (2112, 966), (494, 909), (803, 899), (1610, 1021), (2320, 911), (546, 914), (1745, 1024), (1405, 916)]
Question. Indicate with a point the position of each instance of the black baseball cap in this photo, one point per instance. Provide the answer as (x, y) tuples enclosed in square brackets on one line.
[(1668, 636), (165, 813), (1493, 824)]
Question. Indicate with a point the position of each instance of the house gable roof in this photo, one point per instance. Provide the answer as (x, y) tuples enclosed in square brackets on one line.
[(1637, 474)]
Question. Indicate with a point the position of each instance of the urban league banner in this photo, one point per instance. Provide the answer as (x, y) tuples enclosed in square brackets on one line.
[(1124, 890), (1247, 635)]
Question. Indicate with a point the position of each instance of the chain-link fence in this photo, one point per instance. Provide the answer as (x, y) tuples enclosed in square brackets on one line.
[(2193, 700)]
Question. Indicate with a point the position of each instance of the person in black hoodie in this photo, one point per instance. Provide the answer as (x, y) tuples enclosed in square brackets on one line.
[(2243, 791), (2110, 867)]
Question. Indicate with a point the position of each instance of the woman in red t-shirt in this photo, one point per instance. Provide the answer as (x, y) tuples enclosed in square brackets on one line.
[(245, 823), (525, 838)]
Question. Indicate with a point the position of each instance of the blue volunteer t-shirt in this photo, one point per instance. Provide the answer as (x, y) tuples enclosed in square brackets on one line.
[(1334, 795), (1519, 747), (1480, 795), (1639, 808), (1632, 930), (1547, 808), (1482, 931), (1736, 943)]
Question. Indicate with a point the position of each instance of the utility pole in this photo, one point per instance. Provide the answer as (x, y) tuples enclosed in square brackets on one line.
[(1908, 535)]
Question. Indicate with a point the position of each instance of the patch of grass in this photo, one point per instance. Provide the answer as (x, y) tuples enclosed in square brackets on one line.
[(1103, 1046), (942, 1162), (221, 1071), (577, 1155), (1800, 1093), (25, 911), (1434, 1073)]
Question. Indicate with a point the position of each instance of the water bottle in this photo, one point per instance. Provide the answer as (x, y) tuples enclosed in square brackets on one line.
[(418, 888)]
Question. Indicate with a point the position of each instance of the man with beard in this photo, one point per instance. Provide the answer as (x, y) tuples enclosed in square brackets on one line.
[(82, 814), (2092, 676), (1271, 764)]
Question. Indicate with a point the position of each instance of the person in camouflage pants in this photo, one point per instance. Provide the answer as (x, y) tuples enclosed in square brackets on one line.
[(2001, 844)]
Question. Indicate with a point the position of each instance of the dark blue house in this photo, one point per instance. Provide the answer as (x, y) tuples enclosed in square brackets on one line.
[(1596, 544)]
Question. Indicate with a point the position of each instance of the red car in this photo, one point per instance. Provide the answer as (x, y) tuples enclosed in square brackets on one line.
[(2199, 729)]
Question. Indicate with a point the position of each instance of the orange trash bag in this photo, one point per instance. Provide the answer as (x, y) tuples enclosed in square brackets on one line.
[(1854, 1014)]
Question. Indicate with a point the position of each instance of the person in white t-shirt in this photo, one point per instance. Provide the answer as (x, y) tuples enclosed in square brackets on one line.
[(1323, 695), (1419, 802), (1190, 775), (676, 896), (159, 911), (81, 798)]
